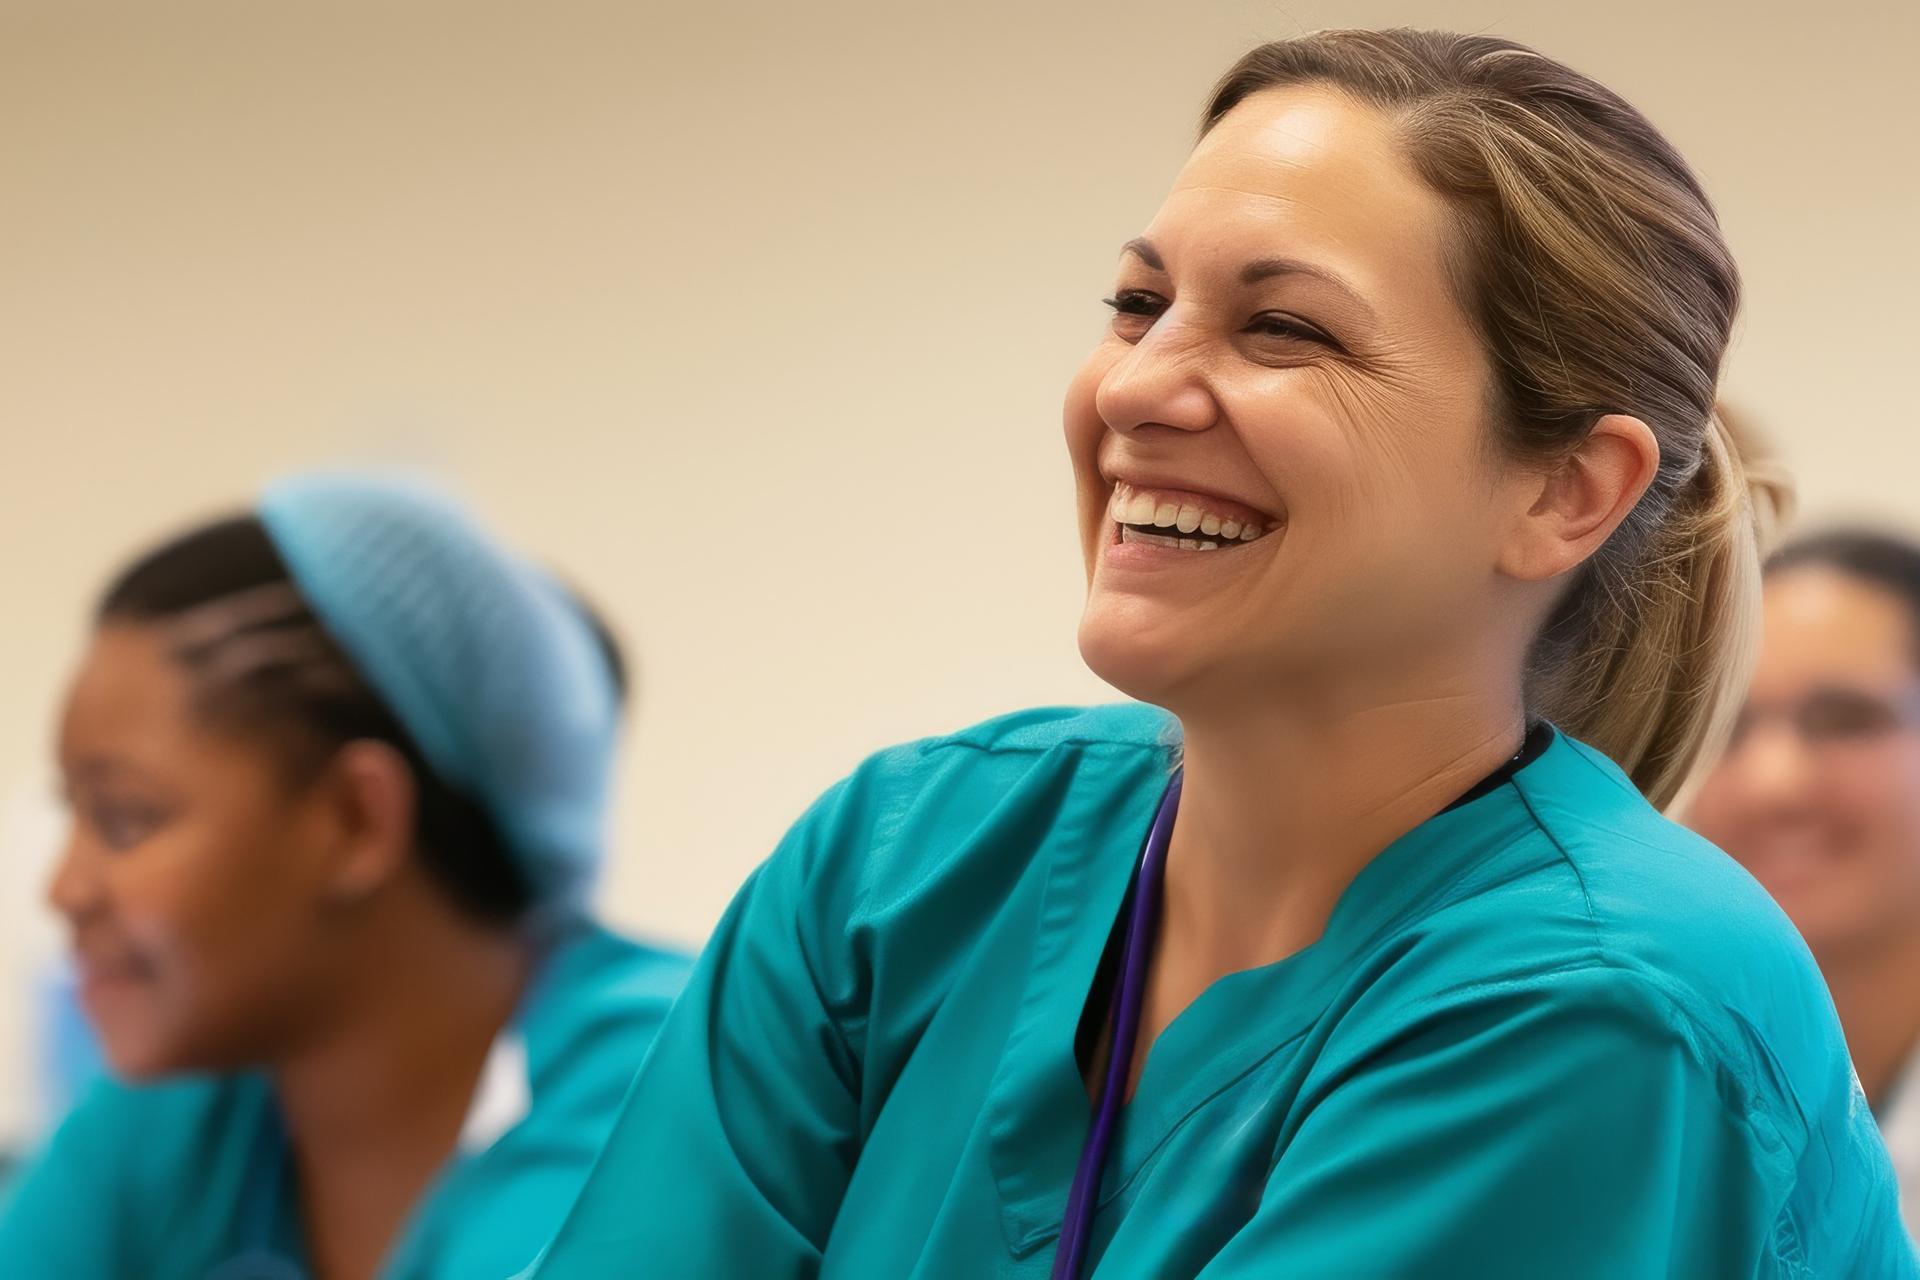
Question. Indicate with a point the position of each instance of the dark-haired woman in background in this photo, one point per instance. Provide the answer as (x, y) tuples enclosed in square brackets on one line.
[(1364, 951), (338, 773), (1819, 796)]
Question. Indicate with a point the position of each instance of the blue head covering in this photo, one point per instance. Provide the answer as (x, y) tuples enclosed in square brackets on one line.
[(481, 656)]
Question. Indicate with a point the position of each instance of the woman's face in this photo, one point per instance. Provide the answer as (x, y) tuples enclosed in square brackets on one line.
[(1819, 793), (191, 879), (1281, 447)]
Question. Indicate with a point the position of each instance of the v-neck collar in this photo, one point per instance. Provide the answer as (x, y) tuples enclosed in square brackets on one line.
[(1033, 1146)]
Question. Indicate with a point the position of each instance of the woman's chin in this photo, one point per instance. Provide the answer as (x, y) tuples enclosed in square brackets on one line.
[(138, 1051), (137, 1060), (1136, 659)]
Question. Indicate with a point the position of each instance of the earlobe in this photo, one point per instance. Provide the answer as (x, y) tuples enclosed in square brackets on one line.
[(1582, 499), (375, 793)]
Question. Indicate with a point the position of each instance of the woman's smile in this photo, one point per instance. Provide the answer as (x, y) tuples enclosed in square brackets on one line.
[(1184, 518), (1159, 525), (110, 975)]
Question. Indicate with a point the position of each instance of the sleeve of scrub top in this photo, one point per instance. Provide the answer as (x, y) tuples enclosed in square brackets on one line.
[(737, 1139), (1568, 1128), (59, 1217)]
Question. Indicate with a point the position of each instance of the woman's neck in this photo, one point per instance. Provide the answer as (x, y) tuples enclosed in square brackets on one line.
[(1283, 805), (374, 1104), (1279, 811), (1879, 1006)]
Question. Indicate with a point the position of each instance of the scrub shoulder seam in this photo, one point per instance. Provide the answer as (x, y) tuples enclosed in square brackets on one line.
[(1566, 856)]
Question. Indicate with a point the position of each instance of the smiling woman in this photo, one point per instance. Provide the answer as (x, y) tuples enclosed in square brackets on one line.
[(1397, 477), (337, 770)]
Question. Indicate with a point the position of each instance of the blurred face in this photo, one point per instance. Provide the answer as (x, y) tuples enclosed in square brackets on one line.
[(190, 880), (1819, 793), (1281, 447)]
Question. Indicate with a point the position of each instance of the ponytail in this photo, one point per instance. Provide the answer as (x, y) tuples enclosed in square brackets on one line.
[(1647, 662)]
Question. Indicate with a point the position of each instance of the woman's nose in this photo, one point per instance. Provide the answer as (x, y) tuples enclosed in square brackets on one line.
[(1774, 766), (1161, 382), (74, 889)]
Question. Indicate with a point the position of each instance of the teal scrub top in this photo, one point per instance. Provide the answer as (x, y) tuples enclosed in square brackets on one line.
[(1546, 1033), (188, 1179)]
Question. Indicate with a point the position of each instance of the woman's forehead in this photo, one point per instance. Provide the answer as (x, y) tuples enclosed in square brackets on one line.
[(1298, 121), (1820, 622), (1301, 170), (130, 703), (1301, 141), (127, 676)]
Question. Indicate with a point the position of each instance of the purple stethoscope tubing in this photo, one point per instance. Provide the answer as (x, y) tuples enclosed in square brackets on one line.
[(1076, 1226)]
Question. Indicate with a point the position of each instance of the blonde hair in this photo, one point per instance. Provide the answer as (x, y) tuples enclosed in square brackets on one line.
[(1769, 482), (1591, 263)]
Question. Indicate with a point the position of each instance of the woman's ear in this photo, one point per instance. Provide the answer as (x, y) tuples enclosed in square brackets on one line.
[(370, 791), (1575, 505)]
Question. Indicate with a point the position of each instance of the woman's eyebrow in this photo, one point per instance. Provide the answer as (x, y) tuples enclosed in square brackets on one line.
[(1142, 248), (1268, 268), (1254, 272), (100, 768), (94, 773)]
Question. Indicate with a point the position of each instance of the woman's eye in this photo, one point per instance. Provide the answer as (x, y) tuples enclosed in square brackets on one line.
[(1278, 324), (1134, 311), (123, 826), (1845, 716)]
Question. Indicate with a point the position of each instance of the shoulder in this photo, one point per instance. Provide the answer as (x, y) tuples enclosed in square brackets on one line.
[(980, 804), (596, 1005), (170, 1116), (149, 1166), (596, 969), (586, 1026), (1667, 905), (1037, 743), (1019, 751), (1043, 730), (929, 850), (1604, 916)]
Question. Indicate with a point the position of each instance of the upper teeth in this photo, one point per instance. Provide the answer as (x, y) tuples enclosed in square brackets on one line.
[(1185, 514)]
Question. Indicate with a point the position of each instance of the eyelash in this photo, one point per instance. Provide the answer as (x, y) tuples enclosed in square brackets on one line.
[(1274, 324), (1135, 302)]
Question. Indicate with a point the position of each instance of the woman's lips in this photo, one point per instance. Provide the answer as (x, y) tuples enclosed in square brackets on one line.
[(96, 969)]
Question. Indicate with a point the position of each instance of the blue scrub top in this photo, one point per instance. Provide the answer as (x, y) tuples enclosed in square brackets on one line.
[(1546, 1033), (187, 1180)]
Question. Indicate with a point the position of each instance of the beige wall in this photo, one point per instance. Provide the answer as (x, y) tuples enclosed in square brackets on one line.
[(755, 318)]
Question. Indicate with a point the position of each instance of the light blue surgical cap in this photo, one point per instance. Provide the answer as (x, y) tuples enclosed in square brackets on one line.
[(482, 657)]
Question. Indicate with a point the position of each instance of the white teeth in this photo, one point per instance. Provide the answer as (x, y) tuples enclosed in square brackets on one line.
[(1129, 506)]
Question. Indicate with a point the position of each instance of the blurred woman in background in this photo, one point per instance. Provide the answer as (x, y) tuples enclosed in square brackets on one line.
[(1819, 796), (338, 772)]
